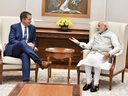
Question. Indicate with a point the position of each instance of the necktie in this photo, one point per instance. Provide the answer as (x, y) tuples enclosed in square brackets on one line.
[(25, 35)]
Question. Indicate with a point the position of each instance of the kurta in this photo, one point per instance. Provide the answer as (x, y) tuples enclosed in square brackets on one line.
[(99, 44)]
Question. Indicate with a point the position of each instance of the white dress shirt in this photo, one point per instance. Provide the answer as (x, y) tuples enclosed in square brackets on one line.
[(23, 29)]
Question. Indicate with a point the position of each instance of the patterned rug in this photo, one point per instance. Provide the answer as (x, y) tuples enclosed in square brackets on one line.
[(10, 79)]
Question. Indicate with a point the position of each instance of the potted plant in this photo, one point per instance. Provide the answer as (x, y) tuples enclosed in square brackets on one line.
[(64, 23)]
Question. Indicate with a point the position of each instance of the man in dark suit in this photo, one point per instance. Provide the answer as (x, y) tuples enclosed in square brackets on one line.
[(22, 41)]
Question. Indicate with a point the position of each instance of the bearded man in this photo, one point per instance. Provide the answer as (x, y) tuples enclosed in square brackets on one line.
[(103, 45)]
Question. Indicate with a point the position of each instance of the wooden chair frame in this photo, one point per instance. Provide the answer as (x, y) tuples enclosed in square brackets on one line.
[(2, 70), (111, 75)]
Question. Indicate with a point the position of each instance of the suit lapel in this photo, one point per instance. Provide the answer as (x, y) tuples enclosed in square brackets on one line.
[(29, 32), (20, 30)]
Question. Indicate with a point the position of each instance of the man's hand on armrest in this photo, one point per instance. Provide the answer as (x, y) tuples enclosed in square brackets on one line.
[(35, 49)]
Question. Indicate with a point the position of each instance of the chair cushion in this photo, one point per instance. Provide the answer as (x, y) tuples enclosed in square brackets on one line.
[(13, 60), (16, 66)]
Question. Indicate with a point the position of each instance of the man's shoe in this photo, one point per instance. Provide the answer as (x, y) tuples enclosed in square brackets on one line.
[(94, 88), (87, 86), (45, 64)]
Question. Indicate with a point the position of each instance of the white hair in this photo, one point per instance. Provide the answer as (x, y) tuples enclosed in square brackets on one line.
[(105, 24)]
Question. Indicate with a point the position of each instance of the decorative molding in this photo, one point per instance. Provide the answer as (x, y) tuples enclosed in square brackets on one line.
[(26, 5), (56, 35), (105, 11), (49, 24)]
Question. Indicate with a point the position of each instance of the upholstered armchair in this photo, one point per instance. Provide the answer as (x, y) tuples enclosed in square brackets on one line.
[(118, 60), (8, 63)]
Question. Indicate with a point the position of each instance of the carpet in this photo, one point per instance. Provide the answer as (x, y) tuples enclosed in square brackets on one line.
[(11, 78)]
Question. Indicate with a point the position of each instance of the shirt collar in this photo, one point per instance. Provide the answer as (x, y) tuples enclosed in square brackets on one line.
[(23, 25), (103, 32)]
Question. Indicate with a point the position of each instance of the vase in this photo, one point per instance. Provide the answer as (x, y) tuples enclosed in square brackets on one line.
[(64, 28)]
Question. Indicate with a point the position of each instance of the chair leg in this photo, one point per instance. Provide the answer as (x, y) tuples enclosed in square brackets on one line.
[(0, 77), (36, 73), (122, 76), (50, 72), (78, 76), (110, 83), (1, 71), (92, 75)]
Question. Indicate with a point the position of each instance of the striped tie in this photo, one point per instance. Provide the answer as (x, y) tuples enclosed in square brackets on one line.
[(25, 35)]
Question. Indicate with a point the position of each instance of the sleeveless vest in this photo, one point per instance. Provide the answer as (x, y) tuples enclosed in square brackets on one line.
[(102, 42)]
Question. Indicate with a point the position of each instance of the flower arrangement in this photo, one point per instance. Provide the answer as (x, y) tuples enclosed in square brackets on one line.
[(64, 23)]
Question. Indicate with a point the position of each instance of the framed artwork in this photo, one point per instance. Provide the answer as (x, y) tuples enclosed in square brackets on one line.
[(66, 8)]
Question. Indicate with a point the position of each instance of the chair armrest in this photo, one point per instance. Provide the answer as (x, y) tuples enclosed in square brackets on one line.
[(36, 49), (118, 62), (85, 53), (0, 47), (118, 54), (0, 52), (0, 55)]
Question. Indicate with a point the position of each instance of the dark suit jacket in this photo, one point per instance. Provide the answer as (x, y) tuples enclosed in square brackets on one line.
[(16, 35)]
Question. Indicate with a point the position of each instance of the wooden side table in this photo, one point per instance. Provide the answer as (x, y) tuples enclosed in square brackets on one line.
[(59, 53)]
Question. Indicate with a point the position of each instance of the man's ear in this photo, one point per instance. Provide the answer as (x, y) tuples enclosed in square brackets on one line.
[(23, 19), (105, 26)]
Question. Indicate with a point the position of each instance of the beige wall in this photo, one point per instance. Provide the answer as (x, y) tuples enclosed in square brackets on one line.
[(117, 11), (11, 7), (35, 7), (79, 23), (110, 10)]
